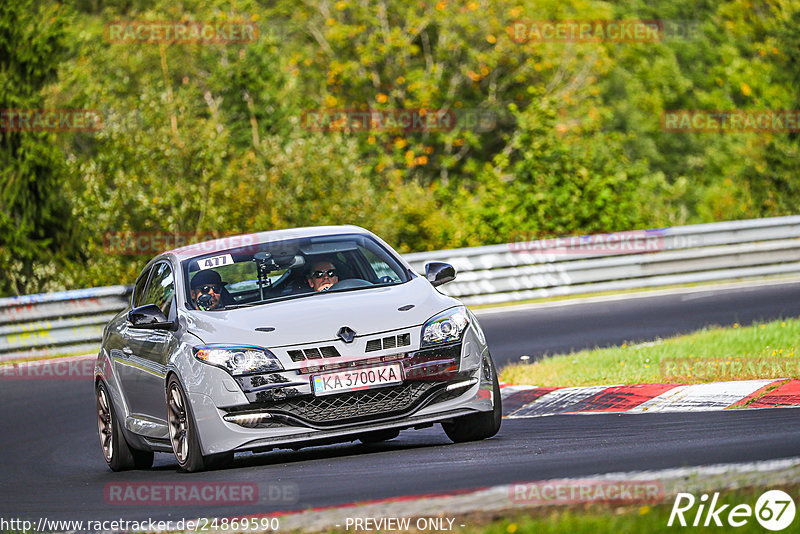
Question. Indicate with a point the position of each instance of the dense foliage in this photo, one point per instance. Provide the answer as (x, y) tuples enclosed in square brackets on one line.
[(204, 138)]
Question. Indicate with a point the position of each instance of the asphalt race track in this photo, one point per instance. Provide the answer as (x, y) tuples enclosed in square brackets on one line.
[(52, 464)]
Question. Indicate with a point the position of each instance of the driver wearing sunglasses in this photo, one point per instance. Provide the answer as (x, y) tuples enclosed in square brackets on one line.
[(322, 276), (206, 290)]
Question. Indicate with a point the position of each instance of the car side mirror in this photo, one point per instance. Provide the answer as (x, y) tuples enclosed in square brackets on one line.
[(150, 316), (439, 273)]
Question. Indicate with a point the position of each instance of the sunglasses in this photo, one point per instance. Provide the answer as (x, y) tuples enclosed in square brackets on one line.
[(330, 273), (209, 288)]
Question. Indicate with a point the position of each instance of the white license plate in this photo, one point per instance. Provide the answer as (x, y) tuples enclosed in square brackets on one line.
[(357, 379)]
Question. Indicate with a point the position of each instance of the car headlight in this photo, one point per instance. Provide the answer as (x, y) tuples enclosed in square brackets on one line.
[(446, 327), (238, 360)]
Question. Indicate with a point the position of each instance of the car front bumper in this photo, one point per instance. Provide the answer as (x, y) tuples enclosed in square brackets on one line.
[(440, 385)]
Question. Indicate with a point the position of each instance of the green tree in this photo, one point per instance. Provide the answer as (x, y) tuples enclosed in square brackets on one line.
[(35, 223), (773, 181), (203, 138)]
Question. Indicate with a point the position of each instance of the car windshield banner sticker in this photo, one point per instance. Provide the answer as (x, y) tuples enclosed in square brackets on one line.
[(216, 261)]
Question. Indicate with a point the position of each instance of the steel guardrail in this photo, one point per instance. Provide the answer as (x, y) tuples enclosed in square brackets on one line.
[(49, 324), (72, 321), (678, 255)]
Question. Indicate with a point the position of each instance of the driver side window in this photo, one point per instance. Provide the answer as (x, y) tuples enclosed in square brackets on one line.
[(138, 290), (161, 290)]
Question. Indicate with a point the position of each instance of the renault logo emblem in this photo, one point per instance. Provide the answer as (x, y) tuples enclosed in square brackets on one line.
[(346, 334)]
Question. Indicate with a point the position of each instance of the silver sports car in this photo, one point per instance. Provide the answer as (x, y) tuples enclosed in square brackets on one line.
[(288, 339)]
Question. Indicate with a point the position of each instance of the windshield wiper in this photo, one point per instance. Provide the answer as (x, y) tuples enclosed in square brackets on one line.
[(265, 301), (243, 305)]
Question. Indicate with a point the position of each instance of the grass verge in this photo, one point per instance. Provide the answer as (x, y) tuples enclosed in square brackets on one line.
[(761, 350), (594, 518)]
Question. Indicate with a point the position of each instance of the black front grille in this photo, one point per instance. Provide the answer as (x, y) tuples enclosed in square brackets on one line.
[(329, 352), (390, 342), (314, 353), (344, 407)]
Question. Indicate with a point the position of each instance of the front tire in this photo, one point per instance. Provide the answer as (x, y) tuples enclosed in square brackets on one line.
[(118, 454), (183, 433), (482, 425)]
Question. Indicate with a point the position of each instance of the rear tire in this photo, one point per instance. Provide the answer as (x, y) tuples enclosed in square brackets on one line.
[(183, 433), (482, 425), (118, 454)]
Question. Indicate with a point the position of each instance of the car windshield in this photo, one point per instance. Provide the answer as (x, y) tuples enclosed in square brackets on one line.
[(278, 270)]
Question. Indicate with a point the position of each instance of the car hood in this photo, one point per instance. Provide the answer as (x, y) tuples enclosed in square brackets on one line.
[(317, 318)]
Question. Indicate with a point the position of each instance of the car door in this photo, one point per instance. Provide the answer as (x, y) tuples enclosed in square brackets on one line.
[(120, 343), (144, 359)]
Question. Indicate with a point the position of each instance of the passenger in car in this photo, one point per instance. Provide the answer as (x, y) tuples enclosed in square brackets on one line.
[(207, 288), (322, 275)]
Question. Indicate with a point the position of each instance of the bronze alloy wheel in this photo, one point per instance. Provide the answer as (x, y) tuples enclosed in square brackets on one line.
[(119, 455), (105, 424), (178, 423), (183, 433)]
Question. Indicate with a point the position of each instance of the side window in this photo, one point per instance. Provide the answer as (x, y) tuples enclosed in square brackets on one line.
[(162, 288), (138, 290)]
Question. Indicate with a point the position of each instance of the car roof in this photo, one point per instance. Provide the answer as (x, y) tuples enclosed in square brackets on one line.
[(228, 242)]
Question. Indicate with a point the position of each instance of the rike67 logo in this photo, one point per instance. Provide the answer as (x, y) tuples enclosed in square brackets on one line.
[(774, 510)]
